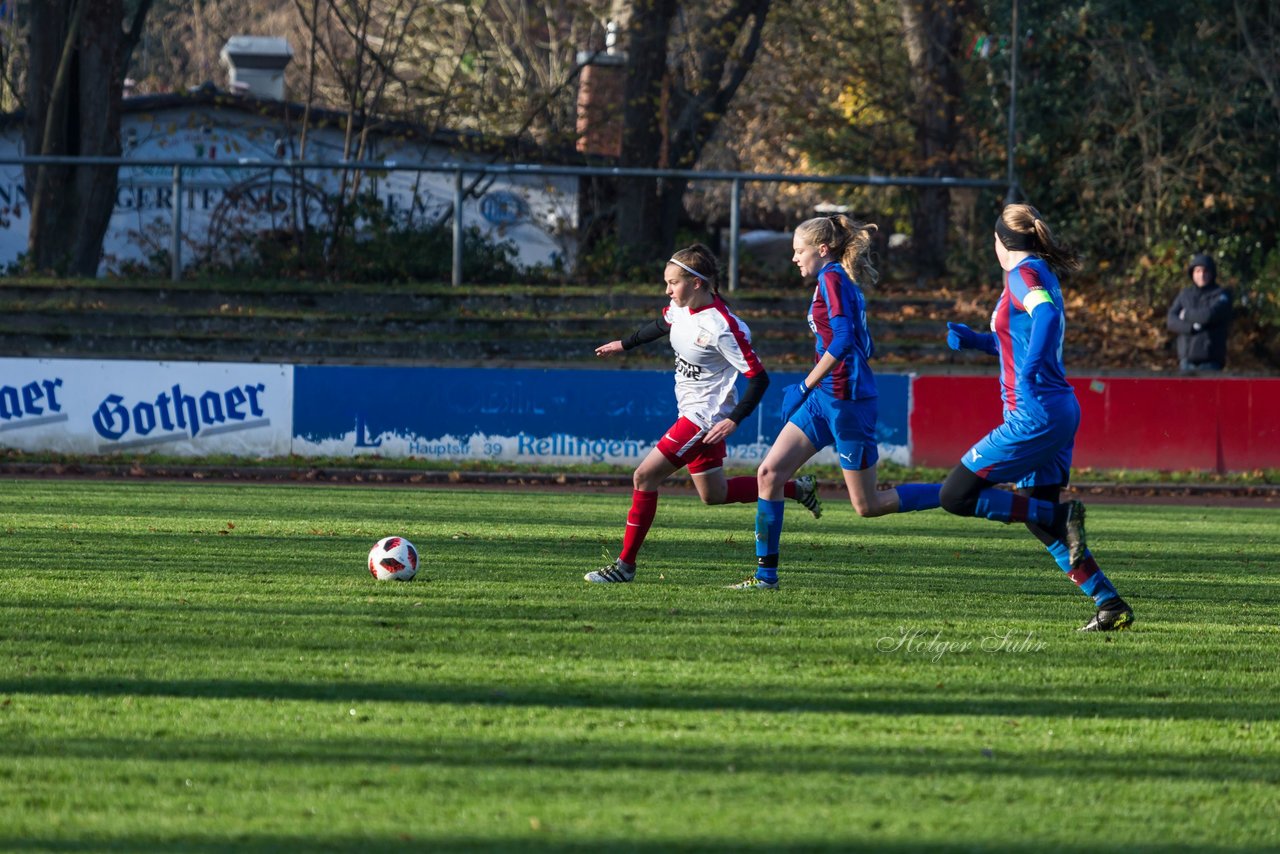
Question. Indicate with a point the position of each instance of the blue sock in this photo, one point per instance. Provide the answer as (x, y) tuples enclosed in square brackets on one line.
[(768, 534), (1087, 575), (1000, 505), (918, 496)]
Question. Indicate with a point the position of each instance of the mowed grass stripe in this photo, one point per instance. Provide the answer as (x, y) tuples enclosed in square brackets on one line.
[(209, 667)]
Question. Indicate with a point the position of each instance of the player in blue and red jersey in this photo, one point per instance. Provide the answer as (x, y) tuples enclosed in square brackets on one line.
[(835, 404), (1032, 447)]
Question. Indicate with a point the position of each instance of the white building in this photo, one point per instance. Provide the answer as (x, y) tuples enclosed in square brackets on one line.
[(241, 136)]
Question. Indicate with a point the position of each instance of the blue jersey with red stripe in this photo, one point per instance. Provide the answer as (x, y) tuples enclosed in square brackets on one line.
[(1029, 325), (838, 318)]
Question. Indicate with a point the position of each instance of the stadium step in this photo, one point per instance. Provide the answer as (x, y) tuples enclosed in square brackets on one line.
[(314, 323)]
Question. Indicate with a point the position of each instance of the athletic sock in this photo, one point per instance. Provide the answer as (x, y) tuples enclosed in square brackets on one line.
[(1000, 505), (768, 535), (644, 506), (742, 490), (918, 496), (789, 490), (1087, 575)]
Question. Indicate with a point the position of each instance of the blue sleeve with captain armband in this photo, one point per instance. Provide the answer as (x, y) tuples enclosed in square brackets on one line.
[(1046, 331)]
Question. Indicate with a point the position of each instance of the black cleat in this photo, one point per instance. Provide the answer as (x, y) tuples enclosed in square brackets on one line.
[(1075, 538), (1112, 616)]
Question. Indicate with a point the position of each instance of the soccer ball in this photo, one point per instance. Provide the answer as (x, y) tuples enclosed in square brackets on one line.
[(393, 558)]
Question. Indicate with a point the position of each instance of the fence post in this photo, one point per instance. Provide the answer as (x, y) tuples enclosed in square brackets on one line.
[(735, 202), (457, 228), (175, 239)]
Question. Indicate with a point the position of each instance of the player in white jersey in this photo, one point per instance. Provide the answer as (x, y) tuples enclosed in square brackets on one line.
[(712, 347)]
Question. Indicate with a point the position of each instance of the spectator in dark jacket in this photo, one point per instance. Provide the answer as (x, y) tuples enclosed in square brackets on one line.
[(1201, 315)]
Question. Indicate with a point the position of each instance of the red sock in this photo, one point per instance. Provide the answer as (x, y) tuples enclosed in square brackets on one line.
[(742, 490), (789, 489), (644, 505)]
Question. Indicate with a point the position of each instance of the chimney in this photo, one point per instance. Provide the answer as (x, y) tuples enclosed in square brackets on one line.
[(601, 87), (257, 65)]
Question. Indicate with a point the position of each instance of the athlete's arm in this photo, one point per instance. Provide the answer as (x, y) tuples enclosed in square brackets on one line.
[(1046, 326), (751, 397), (841, 336), (651, 331), (825, 365), (961, 337)]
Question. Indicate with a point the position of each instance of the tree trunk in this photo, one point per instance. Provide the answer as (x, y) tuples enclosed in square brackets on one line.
[(642, 232), (78, 56), (671, 109), (933, 42)]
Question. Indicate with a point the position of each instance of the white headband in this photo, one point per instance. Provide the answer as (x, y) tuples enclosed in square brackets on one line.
[(689, 269)]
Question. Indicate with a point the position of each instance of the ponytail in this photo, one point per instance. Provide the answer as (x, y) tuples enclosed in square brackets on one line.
[(1021, 229), (848, 240)]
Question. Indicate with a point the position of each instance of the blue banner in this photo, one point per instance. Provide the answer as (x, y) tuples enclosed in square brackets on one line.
[(526, 415)]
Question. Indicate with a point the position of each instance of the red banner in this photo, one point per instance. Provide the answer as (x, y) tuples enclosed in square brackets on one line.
[(1214, 424)]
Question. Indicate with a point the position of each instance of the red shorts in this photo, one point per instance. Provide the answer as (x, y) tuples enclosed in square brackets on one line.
[(682, 444)]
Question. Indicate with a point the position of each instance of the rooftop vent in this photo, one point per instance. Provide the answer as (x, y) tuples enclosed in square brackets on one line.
[(257, 65)]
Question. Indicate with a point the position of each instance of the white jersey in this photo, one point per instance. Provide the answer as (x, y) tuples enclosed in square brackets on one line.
[(712, 347)]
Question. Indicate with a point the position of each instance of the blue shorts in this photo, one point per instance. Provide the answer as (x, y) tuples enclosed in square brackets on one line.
[(848, 424), (1028, 452)]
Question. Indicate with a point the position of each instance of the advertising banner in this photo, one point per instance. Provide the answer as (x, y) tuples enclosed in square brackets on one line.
[(529, 415), (173, 408), (1174, 423)]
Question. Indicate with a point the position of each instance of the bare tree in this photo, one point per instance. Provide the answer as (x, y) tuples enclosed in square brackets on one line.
[(1260, 31), (78, 51), (13, 58)]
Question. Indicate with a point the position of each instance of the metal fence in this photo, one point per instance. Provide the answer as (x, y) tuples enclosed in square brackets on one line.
[(180, 168)]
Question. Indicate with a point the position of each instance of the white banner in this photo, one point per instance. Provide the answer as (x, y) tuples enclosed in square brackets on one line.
[(173, 408)]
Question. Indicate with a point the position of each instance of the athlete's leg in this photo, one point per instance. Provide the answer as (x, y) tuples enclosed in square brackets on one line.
[(790, 451), (960, 491), (1050, 493), (653, 470), (965, 493), (649, 475), (1086, 574), (713, 487), (869, 500), (745, 489), (854, 435)]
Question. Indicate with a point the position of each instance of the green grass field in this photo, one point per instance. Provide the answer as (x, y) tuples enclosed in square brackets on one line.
[(204, 667)]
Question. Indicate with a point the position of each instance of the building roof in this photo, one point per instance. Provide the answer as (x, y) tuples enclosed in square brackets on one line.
[(207, 95)]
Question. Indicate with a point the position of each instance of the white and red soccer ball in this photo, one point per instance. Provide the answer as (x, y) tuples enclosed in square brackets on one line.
[(393, 558)]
